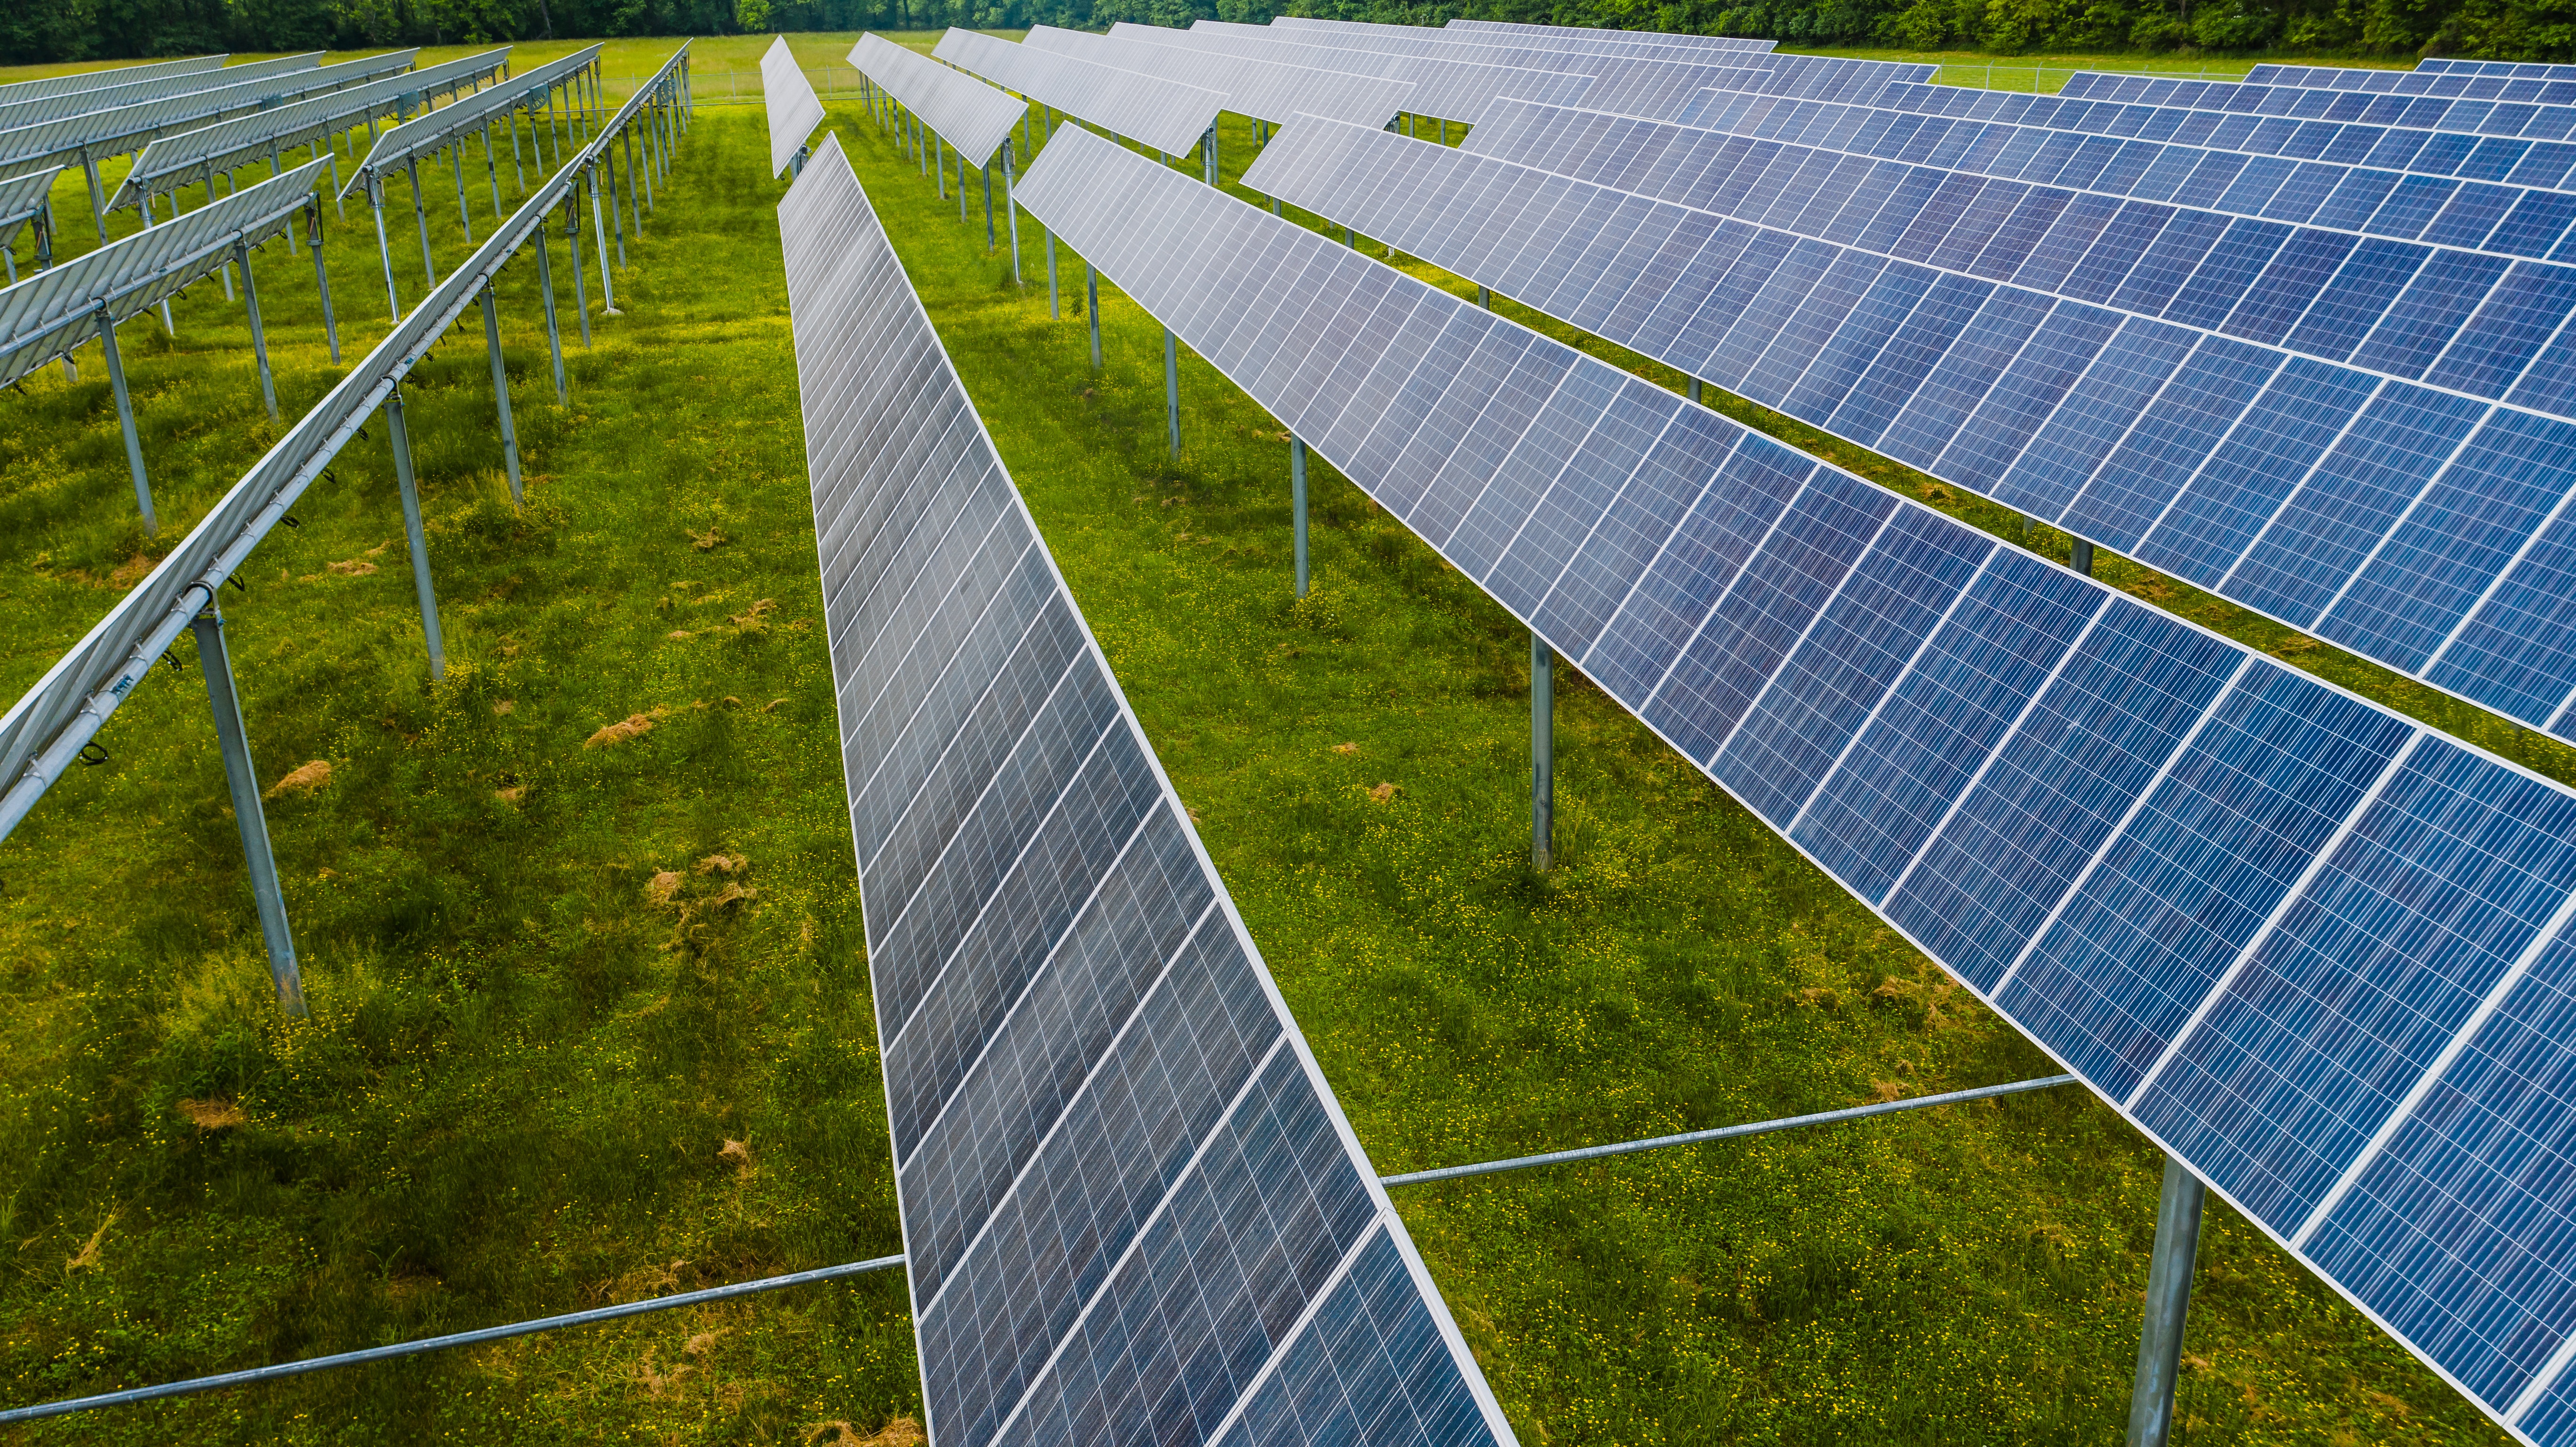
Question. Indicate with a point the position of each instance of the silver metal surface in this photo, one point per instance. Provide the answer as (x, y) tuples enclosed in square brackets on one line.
[(967, 113)]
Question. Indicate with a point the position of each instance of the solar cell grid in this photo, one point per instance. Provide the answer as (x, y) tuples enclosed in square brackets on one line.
[(1166, 114), (2342, 502), (16, 111), (1265, 89), (1455, 90), (1131, 1209), (98, 134), (17, 91), (1578, 36), (2546, 113), (973, 117), (434, 131), (2140, 841), (793, 108)]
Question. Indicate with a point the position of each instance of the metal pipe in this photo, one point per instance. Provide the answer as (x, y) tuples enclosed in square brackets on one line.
[(501, 392), (414, 533), (554, 325), (1091, 288), (2083, 557), (428, 267), (1728, 1132), (241, 779), (1172, 387), (1542, 754), (1297, 502), (599, 230), (2168, 1301), (258, 333), (322, 280), (518, 168), (572, 243), (125, 417), (167, 325), (384, 248), (464, 217), (492, 172), (1694, 389), (1485, 298), (1011, 209), (986, 172)]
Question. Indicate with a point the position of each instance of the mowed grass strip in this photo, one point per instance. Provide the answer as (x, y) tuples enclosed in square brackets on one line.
[(554, 982)]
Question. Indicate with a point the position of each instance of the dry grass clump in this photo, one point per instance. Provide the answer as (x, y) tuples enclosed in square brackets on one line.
[(213, 1113), (304, 779)]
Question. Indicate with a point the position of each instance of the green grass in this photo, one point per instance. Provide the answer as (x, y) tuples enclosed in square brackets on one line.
[(520, 1070)]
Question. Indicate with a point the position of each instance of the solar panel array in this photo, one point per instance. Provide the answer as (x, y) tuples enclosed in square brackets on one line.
[(21, 90), (794, 109), (2534, 122), (1131, 1210), (429, 133), (1167, 115), (172, 162), (2319, 953), (27, 111), (1598, 42), (1451, 89), (2479, 79), (99, 134), (971, 116), (1261, 88), (2009, 343), (1578, 34), (2435, 153), (22, 198), (56, 309)]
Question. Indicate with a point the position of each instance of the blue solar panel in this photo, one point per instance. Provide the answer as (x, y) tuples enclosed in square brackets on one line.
[(2336, 500), (2538, 114), (2181, 867), (1131, 1209)]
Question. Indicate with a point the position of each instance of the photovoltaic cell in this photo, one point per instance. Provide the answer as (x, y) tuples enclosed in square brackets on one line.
[(972, 116), (794, 109), (2541, 116), (99, 134), (2341, 501), (22, 90), (1576, 35), (1165, 114), (16, 111), (1132, 1211), (435, 131), (1273, 92), (2317, 952), (1456, 90)]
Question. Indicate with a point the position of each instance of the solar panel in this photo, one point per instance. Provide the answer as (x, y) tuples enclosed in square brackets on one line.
[(55, 310), (2009, 347), (22, 198), (172, 162), (434, 131), (1265, 89), (1132, 1210), (2314, 950), (2516, 70), (2547, 122), (16, 91), (1578, 35), (1599, 42), (1167, 115), (28, 110), (794, 109), (972, 116), (1453, 90), (2310, 145), (87, 138)]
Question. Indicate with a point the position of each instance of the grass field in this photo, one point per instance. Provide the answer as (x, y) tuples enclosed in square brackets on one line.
[(526, 1069)]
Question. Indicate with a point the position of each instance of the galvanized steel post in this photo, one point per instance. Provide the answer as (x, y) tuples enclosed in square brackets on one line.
[(2168, 1301), (1054, 311), (258, 333), (554, 325), (572, 243), (599, 230), (418, 537), (1542, 754), (1091, 288), (464, 216), (125, 416), (1172, 387), (1297, 502), (1694, 389), (1011, 211), (986, 172), (322, 280), (2083, 557), (501, 392), (241, 779), (428, 268)]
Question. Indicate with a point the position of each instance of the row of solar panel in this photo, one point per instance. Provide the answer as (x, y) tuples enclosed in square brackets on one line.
[(2477, 117), (970, 115), (2512, 218), (1166, 114), (1131, 1211), (2404, 523), (2305, 943), (2485, 80), (1259, 88), (125, 128)]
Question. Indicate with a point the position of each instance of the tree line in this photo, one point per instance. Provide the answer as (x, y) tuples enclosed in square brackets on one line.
[(61, 30)]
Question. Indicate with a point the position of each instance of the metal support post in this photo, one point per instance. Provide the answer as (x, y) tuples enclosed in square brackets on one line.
[(384, 248), (258, 333), (961, 190), (428, 267), (2168, 1300), (1091, 289), (554, 325), (167, 325), (501, 393), (518, 167), (492, 172), (1172, 387), (1485, 298), (986, 172), (464, 217), (1297, 502), (616, 216), (599, 230), (322, 280), (1694, 389), (939, 159), (97, 196), (1542, 754), (1054, 311), (418, 536), (2083, 558), (572, 243), (241, 780), (647, 193), (1011, 210), (634, 198), (125, 417)]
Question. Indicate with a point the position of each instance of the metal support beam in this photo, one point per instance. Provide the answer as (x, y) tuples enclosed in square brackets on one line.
[(2083, 557), (125, 418), (322, 280), (2168, 1300), (1542, 754), (241, 778), (1011, 210), (1172, 388), (501, 392), (1485, 298), (1297, 502), (428, 267), (384, 247), (1091, 289), (258, 333), (599, 230), (572, 243), (1694, 389), (414, 533), (986, 172), (554, 324)]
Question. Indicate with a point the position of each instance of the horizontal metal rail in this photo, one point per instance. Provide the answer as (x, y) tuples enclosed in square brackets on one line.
[(888, 1263), (1724, 1132)]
